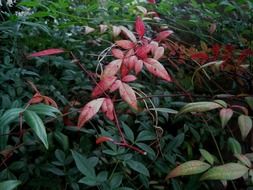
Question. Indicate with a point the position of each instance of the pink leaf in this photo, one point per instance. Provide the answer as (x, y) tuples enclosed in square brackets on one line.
[(128, 33), (103, 139), (46, 52), (138, 67), (112, 68), (157, 69), (117, 53), (163, 35), (158, 53), (124, 70), (128, 95), (131, 62), (125, 44), (225, 116), (139, 27), (108, 108), (115, 85), (103, 85), (129, 78), (89, 110)]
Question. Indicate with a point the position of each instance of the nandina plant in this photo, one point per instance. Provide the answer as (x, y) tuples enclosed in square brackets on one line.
[(131, 55)]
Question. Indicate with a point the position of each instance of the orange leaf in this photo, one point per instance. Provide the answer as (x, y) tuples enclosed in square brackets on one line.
[(103, 139), (128, 78), (117, 53), (50, 101), (128, 95), (112, 68), (157, 69), (108, 108), (125, 44), (139, 27), (46, 52), (89, 110), (103, 85), (37, 98)]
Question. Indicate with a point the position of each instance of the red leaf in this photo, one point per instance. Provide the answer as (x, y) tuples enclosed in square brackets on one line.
[(245, 53), (216, 51), (151, 1), (139, 27), (117, 53), (200, 55), (37, 98), (112, 68), (129, 78), (124, 70), (50, 101), (138, 66), (108, 108), (103, 85), (125, 44), (89, 110), (157, 69), (46, 52), (163, 35), (128, 95), (143, 51), (115, 85), (103, 139)]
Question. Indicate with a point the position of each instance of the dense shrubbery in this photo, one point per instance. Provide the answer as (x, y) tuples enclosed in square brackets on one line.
[(184, 98)]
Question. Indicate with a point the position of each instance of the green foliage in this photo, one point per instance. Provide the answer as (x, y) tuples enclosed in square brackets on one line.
[(188, 114)]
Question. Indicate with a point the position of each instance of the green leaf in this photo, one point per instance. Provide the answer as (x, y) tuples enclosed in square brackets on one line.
[(83, 165), (128, 132), (245, 125), (43, 109), (9, 184), (207, 156), (137, 166), (34, 121), (188, 168), (89, 180), (234, 146), (164, 110), (62, 139), (199, 107), (8, 117), (145, 136), (229, 171), (225, 116), (249, 101)]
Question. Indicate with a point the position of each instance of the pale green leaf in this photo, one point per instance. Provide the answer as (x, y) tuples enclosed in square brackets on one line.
[(9, 184), (245, 125), (189, 168), (229, 171), (243, 159), (225, 116), (207, 156)]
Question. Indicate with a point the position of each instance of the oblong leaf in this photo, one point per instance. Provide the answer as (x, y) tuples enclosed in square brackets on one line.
[(46, 52), (103, 85), (157, 69), (207, 156), (225, 116), (128, 33), (89, 110), (139, 27), (243, 159), (8, 117), (43, 109), (125, 44), (229, 171), (103, 139), (34, 121), (9, 184), (112, 68), (199, 107), (245, 125), (128, 95), (138, 166), (189, 168)]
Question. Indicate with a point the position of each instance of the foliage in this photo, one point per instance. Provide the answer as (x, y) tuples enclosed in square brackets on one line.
[(126, 95)]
